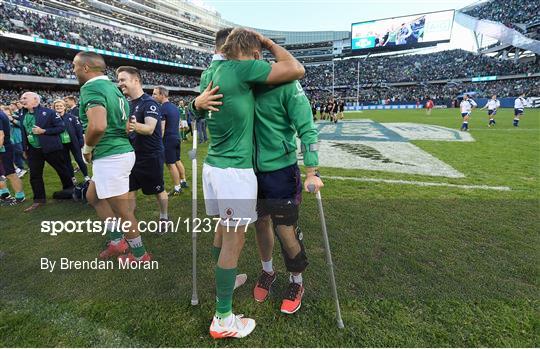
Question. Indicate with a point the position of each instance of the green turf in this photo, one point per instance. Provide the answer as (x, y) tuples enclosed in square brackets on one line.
[(415, 266)]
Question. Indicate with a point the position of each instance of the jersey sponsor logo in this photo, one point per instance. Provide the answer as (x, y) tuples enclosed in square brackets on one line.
[(369, 145), (153, 108)]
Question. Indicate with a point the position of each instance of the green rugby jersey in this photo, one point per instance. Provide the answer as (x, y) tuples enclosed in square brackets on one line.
[(282, 112), (231, 129), (101, 91)]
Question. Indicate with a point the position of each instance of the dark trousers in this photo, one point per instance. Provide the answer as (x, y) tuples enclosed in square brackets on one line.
[(77, 155), (18, 155), (201, 130), (36, 162)]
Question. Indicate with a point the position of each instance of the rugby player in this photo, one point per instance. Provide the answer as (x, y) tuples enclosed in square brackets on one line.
[(429, 105), (71, 104), (104, 113), (466, 105), (492, 106), (229, 182), (281, 113), (8, 169), (519, 106), (144, 127), (170, 124)]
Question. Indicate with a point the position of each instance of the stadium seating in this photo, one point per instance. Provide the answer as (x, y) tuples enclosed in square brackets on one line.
[(508, 12), (28, 64), (15, 20)]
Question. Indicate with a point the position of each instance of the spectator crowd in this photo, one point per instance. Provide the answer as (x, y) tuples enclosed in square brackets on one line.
[(29, 64), (74, 31), (443, 65), (508, 12)]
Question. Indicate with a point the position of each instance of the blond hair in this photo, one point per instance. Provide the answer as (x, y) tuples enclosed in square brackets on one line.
[(59, 101), (241, 42)]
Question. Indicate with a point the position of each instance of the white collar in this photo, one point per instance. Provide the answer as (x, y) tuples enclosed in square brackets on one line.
[(101, 77), (218, 57)]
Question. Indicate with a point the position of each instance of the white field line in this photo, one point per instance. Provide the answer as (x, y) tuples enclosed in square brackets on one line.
[(421, 184)]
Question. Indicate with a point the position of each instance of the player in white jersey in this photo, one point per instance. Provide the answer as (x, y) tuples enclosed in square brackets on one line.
[(466, 106), (492, 106), (519, 105)]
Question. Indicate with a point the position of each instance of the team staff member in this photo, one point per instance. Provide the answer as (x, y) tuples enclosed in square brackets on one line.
[(8, 170), (229, 183), (281, 113), (104, 112), (41, 141), (170, 123), (72, 138), (145, 132)]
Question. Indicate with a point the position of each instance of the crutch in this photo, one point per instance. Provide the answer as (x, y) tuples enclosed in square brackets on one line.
[(311, 189), (193, 156)]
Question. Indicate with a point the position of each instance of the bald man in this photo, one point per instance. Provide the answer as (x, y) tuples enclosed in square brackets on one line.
[(104, 113), (41, 129)]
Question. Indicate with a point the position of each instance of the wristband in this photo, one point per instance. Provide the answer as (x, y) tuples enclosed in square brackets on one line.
[(87, 149)]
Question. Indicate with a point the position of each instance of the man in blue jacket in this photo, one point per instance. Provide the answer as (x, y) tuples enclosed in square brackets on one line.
[(41, 129)]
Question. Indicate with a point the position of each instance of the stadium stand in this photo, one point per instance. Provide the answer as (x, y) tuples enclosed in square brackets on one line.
[(47, 26), (508, 12), (28, 64), (414, 68)]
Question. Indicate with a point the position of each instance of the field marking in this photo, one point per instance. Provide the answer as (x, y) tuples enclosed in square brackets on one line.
[(422, 184)]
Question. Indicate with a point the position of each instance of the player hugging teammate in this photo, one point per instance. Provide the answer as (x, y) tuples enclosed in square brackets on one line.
[(233, 191)]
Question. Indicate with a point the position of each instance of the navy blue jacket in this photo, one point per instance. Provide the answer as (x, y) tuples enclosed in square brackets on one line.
[(53, 125), (74, 129)]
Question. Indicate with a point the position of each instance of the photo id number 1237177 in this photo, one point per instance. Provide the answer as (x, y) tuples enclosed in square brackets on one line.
[(207, 225)]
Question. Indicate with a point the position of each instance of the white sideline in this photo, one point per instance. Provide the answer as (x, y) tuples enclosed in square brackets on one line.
[(422, 184)]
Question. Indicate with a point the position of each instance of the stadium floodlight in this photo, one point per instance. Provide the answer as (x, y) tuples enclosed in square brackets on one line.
[(329, 262), (193, 156)]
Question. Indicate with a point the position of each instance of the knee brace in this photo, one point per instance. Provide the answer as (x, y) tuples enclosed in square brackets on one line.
[(283, 212), (299, 263)]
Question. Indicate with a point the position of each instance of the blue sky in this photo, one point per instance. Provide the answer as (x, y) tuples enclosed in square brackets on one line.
[(322, 15)]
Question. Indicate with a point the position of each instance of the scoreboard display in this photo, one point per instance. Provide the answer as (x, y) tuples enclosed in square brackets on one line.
[(402, 33)]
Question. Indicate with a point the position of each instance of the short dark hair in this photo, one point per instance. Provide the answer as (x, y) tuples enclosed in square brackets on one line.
[(94, 60), (71, 98), (130, 70), (162, 90), (221, 37)]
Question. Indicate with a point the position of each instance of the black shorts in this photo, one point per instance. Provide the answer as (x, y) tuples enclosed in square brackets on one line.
[(171, 150), (492, 112), (147, 174), (276, 186), (7, 161), (518, 111)]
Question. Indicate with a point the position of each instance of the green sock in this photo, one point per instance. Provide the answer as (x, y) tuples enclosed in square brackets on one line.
[(19, 195), (137, 247), (115, 236), (215, 252), (225, 279)]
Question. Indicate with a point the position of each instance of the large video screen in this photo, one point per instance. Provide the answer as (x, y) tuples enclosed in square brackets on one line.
[(401, 33)]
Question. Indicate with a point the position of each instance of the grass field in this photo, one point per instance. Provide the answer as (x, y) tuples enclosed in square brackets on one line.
[(416, 266)]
